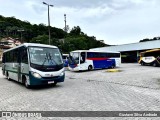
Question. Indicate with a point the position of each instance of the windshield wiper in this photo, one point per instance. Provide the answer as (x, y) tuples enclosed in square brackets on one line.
[(49, 59), (45, 59)]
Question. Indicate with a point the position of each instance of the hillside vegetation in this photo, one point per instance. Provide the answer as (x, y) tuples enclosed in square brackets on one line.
[(74, 40)]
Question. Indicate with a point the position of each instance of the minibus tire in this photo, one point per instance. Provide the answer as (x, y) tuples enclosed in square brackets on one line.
[(25, 82), (8, 78)]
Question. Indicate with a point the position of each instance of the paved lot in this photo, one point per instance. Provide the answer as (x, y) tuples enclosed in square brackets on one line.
[(135, 88)]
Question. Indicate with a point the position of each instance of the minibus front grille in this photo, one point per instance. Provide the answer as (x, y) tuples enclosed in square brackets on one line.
[(47, 68), (48, 78)]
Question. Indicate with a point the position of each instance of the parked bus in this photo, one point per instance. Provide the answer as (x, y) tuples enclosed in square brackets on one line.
[(150, 57), (65, 59), (89, 60), (33, 64)]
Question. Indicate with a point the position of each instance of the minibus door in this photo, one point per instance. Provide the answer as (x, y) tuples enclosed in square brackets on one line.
[(19, 72), (19, 65), (3, 67)]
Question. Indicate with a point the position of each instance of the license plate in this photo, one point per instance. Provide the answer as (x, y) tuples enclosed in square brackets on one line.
[(50, 82)]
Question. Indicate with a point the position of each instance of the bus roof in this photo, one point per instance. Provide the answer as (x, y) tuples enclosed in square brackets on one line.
[(95, 51), (31, 44), (153, 50)]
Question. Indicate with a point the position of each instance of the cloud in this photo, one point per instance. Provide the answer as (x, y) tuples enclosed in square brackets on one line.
[(80, 3), (115, 21), (129, 24), (37, 8)]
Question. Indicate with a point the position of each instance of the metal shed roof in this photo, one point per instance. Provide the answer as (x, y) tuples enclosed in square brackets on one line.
[(131, 47)]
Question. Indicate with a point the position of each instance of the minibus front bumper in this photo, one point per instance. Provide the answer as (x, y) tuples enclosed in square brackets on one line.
[(45, 80)]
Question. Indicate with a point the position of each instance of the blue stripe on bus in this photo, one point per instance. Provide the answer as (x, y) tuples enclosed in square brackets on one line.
[(103, 63)]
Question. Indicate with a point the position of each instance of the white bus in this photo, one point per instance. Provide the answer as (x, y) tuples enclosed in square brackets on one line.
[(88, 60), (33, 64)]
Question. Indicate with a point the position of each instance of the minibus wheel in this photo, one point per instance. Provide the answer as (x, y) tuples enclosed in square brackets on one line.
[(8, 76), (25, 82)]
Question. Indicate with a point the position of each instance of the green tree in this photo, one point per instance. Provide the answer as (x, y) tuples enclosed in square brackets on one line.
[(34, 33), (43, 39), (76, 30)]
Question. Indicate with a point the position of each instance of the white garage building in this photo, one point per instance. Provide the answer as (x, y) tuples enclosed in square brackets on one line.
[(130, 52)]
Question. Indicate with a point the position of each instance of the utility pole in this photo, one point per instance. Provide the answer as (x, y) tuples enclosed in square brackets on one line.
[(49, 34), (65, 27), (21, 34)]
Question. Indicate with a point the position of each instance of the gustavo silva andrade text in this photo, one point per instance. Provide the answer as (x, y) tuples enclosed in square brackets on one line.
[(138, 114)]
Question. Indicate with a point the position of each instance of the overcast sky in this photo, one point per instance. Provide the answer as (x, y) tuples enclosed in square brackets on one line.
[(114, 21)]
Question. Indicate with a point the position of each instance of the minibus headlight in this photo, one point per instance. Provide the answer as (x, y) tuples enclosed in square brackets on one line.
[(36, 75), (62, 73)]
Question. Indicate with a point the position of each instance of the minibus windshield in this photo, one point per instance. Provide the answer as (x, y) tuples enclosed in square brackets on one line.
[(45, 56)]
